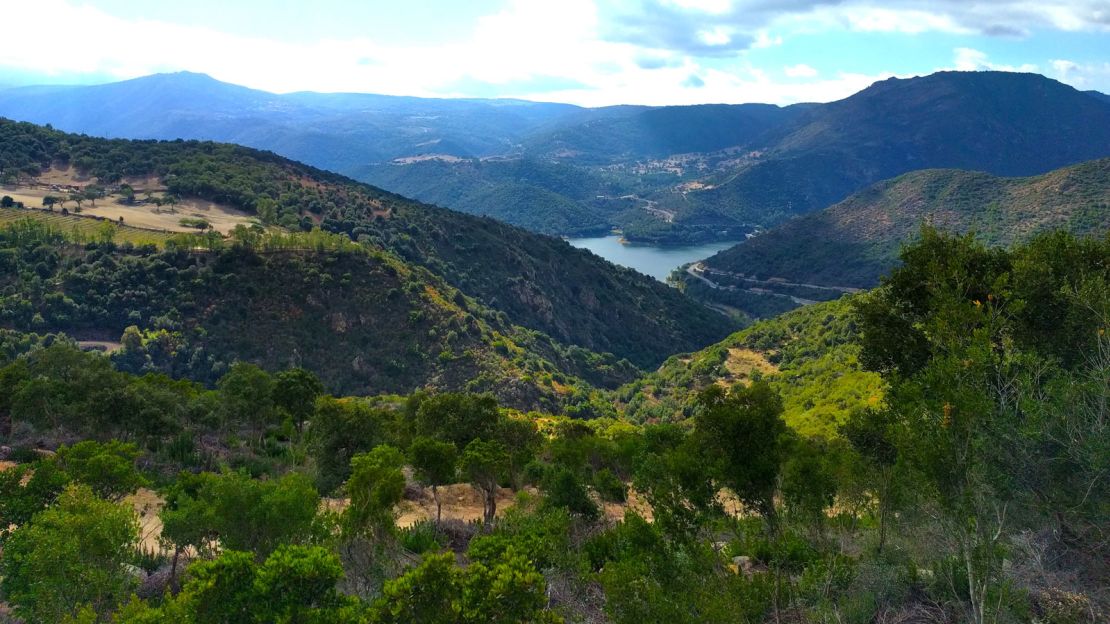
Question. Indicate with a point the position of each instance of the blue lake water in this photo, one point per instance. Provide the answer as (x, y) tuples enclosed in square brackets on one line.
[(656, 261)]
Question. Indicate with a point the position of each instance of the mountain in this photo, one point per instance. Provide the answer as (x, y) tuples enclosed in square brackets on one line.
[(661, 174), (999, 122), (332, 131), (854, 242), (539, 282), (364, 321)]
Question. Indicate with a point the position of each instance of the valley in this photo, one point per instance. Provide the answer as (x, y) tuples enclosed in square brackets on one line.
[(495, 361)]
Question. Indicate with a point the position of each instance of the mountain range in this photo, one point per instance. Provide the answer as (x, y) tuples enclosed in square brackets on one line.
[(665, 174)]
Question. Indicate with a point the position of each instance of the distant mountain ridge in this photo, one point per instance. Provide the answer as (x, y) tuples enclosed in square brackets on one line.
[(998, 122), (330, 130), (661, 174)]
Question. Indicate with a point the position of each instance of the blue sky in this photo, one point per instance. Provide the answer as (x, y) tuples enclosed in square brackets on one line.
[(590, 52)]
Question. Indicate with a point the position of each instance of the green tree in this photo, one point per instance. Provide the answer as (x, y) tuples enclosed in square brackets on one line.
[(457, 417), (436, 464), (745, 441), (563, 488), (439, 592), (295, 394), (341, 429), (871, 432), (484, 464), (375, 487), (26, 490), (68, 557), (809, 483), (247, 395), (108, 468)]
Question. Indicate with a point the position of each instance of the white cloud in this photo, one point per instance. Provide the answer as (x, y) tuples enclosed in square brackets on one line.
[(970, 59), (1082, 75), (801, 70)]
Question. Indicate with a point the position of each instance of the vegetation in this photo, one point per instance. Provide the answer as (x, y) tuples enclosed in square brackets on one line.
[(810, 357), (273, 299), (855, 242), (541, 283), (973, 491)]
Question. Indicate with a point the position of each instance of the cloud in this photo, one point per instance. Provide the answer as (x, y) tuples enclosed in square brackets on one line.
[(679, 25), (970, 59), (1084, 76), (800, 70)]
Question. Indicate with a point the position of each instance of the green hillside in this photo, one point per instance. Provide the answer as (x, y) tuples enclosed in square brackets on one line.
[(363, 320), (540, 282), (809, 356), (856, 241)]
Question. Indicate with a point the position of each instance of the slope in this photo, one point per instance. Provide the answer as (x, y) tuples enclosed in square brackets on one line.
[(999, 122), (856, 241), (540, 282), (361, 319), (809, 356)]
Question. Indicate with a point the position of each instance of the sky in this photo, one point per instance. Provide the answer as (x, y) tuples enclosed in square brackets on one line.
[(586, 52)]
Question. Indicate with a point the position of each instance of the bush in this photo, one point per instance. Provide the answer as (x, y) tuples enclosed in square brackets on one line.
[(421, 537), (610, 487)]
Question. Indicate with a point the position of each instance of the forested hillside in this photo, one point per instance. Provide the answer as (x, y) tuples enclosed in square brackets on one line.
[(540, 282), (970, 489), (362, 320), (856, 241)]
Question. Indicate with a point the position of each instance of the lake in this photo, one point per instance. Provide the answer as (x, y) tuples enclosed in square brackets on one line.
[(654, 260)]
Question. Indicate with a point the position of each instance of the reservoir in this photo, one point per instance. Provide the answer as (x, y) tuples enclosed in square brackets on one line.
[(654, 260)]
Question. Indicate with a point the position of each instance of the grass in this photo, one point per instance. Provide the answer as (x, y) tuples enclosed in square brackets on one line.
[(86, 228)]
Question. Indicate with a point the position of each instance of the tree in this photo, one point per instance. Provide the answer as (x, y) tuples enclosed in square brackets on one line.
[(48, 202), (437, 591), (809, 483), (563, 488), (93, 192), (127, 193), (436, 464), (26, 490), (243, 513), (109, 468), (341, 429), (375, 487), (744, 438), (106, 232), (247, 394), (295, 394), (871, 433), (457, 417), (6, 201), (69, 557), (77, 198), (484, 464), (521, 440)]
